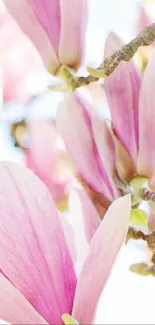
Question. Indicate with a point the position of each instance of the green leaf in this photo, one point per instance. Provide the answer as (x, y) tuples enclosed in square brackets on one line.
[(139, 217), (60, 88), (97, 73)]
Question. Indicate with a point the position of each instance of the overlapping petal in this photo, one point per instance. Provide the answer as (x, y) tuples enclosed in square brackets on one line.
[(90, 215), (74, 126), (44, 157), (106, 148), (27, 20), (103, 251), (122, 91), (33, 251), (14, 308), (146, 156), (73, 30), (48, 14), (50, 27)]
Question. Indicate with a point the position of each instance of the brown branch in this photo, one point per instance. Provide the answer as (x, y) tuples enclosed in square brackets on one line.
[(135, 234), (138, 234), (126, 53), (145, 38)]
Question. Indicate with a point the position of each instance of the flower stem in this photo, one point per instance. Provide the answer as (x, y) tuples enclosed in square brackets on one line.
[(135, 234)]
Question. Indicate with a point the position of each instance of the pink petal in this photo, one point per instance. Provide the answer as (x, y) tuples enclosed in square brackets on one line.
[(146, 156), (33, 251), (75, 129), (28, 21), (78, 224), (43, 157), (14, 308), (73, 31), (90, 215), (122, 90), (21, 61), (103, 251), (48, 15), (69, 235), (55, 187), (106, 149), (44, 143), (143, 19)]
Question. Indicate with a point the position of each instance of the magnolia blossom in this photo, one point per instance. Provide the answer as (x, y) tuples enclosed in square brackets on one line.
[(45, 154), (19, 61), (57, 28), (127, 146), (131, 101), (77, 125), (38, 283)]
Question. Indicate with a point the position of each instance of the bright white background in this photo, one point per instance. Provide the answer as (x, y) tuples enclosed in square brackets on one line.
[(127, 298)]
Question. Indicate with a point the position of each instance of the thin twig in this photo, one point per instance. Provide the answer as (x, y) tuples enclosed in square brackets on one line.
[(126, 53), (135, 234)]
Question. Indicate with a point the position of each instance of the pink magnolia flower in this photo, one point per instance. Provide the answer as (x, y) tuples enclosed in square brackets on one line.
[(38, 283), (78, 125), (126, 147), (131, 101), (19, 59), (52, 26)]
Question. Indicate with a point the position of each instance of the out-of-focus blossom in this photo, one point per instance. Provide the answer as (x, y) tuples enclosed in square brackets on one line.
[(57, 28), (127, 147), (45, 155), (38, 283), (19, 61)]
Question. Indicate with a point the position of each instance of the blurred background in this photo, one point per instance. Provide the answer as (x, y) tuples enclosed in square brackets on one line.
[(27, 122)]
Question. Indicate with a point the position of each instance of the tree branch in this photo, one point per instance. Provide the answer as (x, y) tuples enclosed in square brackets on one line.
[(126, 53), (145, 38)]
